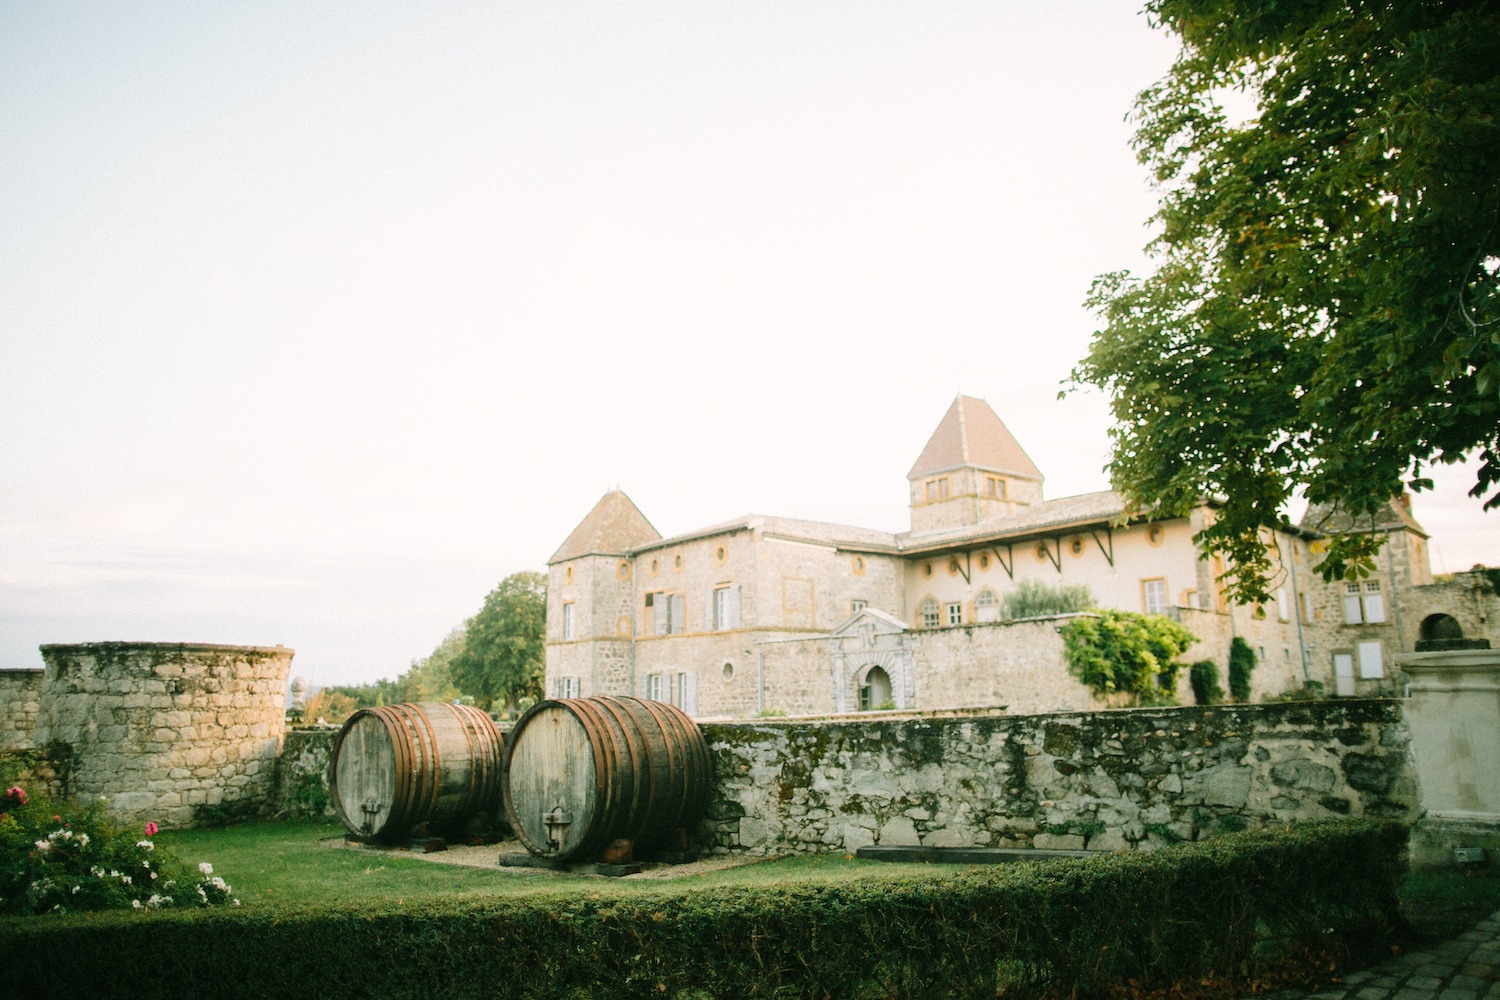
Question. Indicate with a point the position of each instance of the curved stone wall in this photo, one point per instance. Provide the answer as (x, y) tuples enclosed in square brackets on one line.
[(164, 731)]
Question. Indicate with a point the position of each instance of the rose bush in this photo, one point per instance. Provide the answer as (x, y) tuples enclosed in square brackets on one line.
[(57, 856)]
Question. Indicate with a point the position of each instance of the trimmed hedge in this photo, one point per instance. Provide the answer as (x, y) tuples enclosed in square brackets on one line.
[(1221, 907)]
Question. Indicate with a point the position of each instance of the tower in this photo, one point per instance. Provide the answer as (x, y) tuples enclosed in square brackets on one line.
[(971, 471)]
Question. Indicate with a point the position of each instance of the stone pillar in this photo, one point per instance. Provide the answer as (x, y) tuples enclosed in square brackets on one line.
[(1453, 713), (162, 730)]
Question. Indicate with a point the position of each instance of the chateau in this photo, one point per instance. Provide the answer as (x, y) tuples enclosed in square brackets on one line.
[(769, 614)]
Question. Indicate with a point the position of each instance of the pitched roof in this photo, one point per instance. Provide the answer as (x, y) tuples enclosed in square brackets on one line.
[(971, 435), (816, 532), (1329, 519), (1035, 520), (613, 528)]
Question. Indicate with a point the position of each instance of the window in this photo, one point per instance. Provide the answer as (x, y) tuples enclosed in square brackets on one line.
[(955, 613), (1343, 674), (994, 487), (987, 607), (666, 613), (1363, 603), (930, 614), (858, 564), (565, 687), (1371, 663), (684, 691), (1283, 607), (937, 489), (725, 608), (1307, 609), (655, 685), (1154, 596), (1154, 534), (567, 622), (931, 489), (857, 605)]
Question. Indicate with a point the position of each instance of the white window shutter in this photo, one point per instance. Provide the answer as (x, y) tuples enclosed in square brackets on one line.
[(1374, 607), (689, 684), (732, 599), (1371, 663), (641, 686), (679, 620)]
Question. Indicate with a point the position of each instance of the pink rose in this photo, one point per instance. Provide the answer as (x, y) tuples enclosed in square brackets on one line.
[(17, 794), (151, 829)]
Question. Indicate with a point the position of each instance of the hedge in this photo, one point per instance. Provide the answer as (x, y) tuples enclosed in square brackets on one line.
[(1224, 907)]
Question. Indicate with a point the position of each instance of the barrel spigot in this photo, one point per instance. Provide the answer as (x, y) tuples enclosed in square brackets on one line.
[(556, 823), (369, 807)]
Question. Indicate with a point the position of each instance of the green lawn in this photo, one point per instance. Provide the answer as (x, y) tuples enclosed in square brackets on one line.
[(297, 866)]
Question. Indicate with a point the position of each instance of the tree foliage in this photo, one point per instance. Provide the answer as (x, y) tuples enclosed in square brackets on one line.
[(1204, 676), (1241, 665), (502, 654), (1033, 598), (1325, 309), (1122, 652)]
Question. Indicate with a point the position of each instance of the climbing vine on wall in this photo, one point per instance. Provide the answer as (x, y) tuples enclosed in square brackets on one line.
[(1241, 663), (1121, 652)]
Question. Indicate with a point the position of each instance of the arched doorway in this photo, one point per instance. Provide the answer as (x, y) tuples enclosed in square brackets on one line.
[(875, 689)]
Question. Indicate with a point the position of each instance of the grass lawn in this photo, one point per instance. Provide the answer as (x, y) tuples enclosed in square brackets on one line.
[(283, 864)]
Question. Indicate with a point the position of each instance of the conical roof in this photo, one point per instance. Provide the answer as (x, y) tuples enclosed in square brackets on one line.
[(613, 528), (970, 435)]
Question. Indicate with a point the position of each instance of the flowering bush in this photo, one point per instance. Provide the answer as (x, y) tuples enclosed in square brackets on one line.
[(57, 856)]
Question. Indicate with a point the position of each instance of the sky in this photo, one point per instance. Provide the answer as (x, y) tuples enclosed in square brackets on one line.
[(317, 320)]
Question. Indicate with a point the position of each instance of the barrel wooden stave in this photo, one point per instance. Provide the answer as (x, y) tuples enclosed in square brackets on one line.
[(397, 766), (616, 768)]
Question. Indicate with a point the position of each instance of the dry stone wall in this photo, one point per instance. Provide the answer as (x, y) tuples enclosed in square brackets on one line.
[(167, 731), (1124, 779)]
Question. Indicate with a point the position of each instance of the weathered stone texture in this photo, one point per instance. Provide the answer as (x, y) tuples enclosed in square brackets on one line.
[(161, 730), (1129, 779), (20, 703), (302, 770)]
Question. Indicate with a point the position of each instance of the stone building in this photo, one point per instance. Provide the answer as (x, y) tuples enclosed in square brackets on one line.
[(765, 614)]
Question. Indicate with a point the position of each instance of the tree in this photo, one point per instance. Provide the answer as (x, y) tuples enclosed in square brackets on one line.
[(1325, 310), (502, 655), (429, 679), (1122, 652), (1033, 599)]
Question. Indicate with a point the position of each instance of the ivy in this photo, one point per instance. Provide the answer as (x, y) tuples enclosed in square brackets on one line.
[(1241, 663)]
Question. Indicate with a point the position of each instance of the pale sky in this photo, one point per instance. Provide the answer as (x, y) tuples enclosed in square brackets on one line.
[(319, 319)]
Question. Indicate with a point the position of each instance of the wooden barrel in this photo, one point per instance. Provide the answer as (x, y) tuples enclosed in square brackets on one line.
[(582, 773), (397, 766)]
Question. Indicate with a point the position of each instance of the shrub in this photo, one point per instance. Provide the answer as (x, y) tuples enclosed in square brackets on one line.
[(1127, 653), (1232, 906), (1241, 663), (1033, 599), (1204, 676), (56, 856)]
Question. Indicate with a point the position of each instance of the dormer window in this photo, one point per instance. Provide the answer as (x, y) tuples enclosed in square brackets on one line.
[(994, 487), (937, 489)]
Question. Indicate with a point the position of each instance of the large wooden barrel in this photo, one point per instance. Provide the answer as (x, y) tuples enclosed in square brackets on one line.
[(397, 766), (581, 773)]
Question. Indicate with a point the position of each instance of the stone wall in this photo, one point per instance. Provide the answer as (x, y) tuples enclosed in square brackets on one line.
[(1134, 778), (165, 731), (302, 770), (20, 703)]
